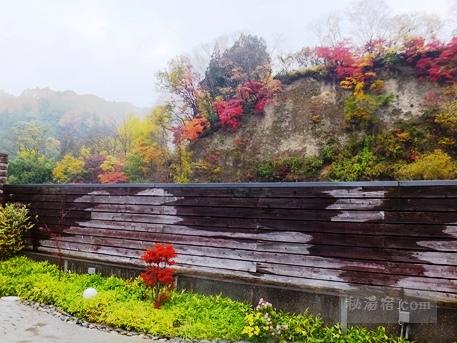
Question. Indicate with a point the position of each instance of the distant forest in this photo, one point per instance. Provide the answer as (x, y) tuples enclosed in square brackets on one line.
[(68, 138)]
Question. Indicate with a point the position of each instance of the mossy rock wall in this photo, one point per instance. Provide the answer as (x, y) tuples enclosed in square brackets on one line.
[(303, 118)]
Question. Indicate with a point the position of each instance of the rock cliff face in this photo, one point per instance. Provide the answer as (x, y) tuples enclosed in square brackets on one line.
[(303, 118)]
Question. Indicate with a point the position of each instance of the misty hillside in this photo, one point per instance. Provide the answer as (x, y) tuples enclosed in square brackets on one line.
[(58, 115)]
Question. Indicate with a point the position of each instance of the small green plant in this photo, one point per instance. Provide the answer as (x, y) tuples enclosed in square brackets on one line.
[(360, 109), (355, 168), (14, 222), (263, 324), (447, 117), (267, 325), (291, 168)]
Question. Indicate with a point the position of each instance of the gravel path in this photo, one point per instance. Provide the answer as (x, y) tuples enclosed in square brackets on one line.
[(20, 323)]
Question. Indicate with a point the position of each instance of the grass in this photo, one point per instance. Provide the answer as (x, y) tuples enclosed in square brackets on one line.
[(126, 304), (123, 303)]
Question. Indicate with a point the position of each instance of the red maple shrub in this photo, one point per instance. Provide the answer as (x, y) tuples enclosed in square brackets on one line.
[(229, 111), (434, 60), (251, 98), (158, 274), (335, 57), (257, 94)]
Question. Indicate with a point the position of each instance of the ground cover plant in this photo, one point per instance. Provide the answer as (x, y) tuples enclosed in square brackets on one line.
[(126, 304)]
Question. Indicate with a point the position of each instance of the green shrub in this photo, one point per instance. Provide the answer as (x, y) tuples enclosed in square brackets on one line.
[(355, 168), (30, 166), (447, 117), (290, 169), (436, 165), (14, 222), (359, 109), (406, 137)]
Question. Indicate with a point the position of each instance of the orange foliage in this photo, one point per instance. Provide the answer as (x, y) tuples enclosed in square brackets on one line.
[(113, 177), (191, 129)]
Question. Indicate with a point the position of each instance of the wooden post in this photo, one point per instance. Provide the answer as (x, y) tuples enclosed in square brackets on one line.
[(3, 173)]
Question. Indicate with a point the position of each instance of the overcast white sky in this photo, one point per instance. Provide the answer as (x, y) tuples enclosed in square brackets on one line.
[(113, 48)]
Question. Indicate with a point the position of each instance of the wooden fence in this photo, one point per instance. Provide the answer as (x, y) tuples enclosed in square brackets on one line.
[(399, 237), (3, 173)]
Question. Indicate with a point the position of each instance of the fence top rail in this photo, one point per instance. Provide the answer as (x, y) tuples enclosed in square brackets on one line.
[(427, 183)]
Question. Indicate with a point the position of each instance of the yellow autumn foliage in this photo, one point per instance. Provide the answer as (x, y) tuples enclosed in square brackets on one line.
[(436, 165)]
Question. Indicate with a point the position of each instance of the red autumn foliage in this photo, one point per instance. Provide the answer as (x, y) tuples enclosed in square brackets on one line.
[(347, 64), (229, 111), (113, 177), (160, 255), (158, 274), (250, 96), (434, 60), (257, 92), (332, 57)]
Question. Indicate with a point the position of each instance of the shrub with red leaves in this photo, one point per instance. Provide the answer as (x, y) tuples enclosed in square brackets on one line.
[(113, 177), (333, 57), (251, 97), (158, 274), (434, 60), (229, 111), (256, 94)]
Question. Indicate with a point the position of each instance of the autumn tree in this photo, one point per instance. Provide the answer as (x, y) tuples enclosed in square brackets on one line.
[(34, 136), (128, 133), (92, 167), (145, 145), (369, 20), (406, 26), (69, 170), (328, 30), (365, 22), (247, 59), (182, 82)]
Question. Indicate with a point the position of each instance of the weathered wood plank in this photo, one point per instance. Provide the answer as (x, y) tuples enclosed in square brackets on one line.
[(347, 190), (154, 204), (187, 234), (281, 229), (395, 268), (172, 215), (198, 260)]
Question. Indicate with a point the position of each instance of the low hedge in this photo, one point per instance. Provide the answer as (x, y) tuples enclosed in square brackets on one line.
[(126, 304)]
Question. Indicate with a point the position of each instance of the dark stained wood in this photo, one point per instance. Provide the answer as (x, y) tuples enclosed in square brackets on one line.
[(3, 174), (129, 239), (283, 240), (280, 230), (135, 203)]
